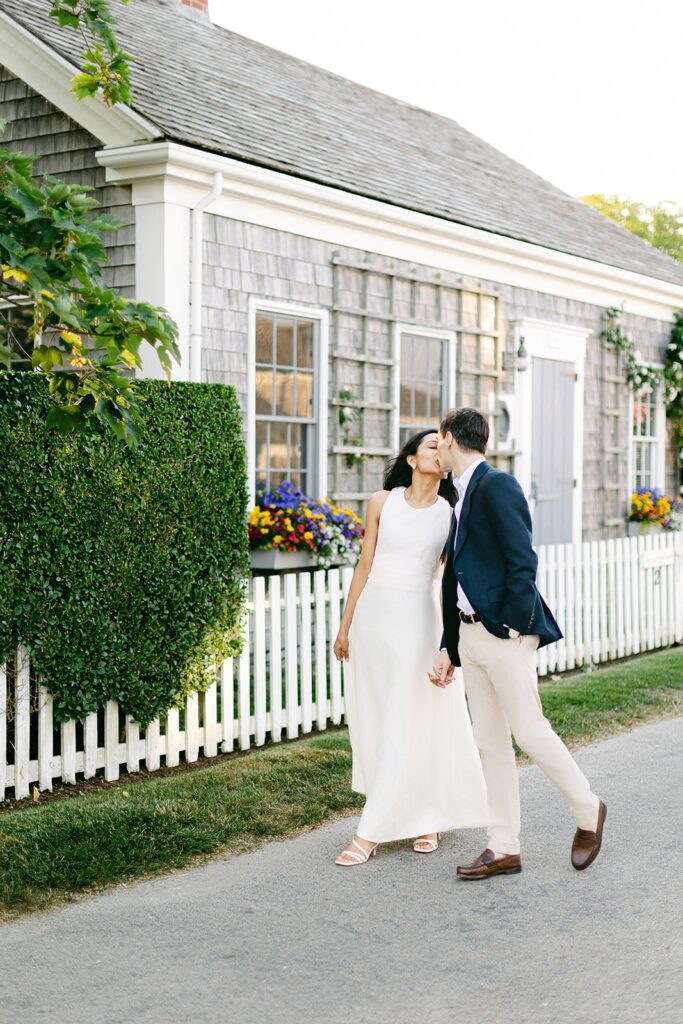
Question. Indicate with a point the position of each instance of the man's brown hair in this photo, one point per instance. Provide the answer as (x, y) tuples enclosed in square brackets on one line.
[(468, 427)]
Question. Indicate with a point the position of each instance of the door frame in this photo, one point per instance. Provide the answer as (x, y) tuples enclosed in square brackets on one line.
[(566, 343)]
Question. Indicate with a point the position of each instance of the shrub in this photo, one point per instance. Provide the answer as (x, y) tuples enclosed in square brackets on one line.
[(122, 569)]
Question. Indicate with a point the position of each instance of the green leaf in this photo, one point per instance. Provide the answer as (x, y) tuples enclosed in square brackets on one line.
[(84, 85), (66, 421), (47, 357), (64, 18), (31, 205), (5, 355)]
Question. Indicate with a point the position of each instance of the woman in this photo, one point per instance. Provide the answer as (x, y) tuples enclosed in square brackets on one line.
[(413, 752)]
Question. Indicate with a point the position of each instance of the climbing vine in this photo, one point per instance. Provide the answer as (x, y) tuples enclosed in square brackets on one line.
[(644, 378), (349, 421), (638, 374), (673, 375)]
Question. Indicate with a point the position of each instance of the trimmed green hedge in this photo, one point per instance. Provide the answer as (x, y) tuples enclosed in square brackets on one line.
[(122, 570)]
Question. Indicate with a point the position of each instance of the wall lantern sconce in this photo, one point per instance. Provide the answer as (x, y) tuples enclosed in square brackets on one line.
[(518, 360), (522, 360)]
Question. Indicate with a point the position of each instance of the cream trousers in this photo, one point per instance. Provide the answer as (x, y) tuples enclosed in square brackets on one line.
[(502, 694)]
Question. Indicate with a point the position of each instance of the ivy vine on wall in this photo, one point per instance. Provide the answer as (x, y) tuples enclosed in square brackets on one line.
[(673, 375), (349, 421), (644, 378)]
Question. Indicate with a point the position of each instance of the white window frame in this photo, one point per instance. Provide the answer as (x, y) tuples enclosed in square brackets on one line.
[(321, 384), (659, 460), (566, 343), (450, 337)]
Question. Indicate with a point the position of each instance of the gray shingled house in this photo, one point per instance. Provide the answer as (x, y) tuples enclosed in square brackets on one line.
[(353, 264)]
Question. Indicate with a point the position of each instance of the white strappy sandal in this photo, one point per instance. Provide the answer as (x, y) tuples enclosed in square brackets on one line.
[(431, 844), (356, 858)]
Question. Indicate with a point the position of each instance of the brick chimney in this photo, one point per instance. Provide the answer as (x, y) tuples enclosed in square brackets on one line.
[(197, 5)]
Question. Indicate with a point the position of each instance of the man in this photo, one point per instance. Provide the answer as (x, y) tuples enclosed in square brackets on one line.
[(494, 621)]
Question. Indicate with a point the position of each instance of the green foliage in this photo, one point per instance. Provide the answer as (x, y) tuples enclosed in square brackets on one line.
[(642, 377), (673, 369), (639, 375), (122, 569), (105, 66), (84, 336), (673, 374), (661, 225), (350, 417)]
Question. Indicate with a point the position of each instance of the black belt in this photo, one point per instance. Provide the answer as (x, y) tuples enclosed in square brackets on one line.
[(464, 617)]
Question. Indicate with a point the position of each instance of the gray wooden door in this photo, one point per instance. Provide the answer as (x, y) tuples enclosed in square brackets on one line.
[(552, 450)]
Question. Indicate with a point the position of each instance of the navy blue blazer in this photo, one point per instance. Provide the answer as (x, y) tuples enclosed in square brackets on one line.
[(495, 563)]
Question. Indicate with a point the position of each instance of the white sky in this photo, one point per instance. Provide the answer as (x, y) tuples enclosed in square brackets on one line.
[(586, 93)]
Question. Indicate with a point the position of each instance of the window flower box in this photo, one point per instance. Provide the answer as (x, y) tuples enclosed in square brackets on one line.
[(650, 508), (289, 530), (275, 560)]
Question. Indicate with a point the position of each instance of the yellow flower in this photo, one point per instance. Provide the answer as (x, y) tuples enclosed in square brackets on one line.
[(277, 540), (13, 274), (308, 535)]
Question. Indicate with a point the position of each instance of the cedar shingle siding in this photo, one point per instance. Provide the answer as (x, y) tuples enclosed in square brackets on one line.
[(244, 259), (67, 151)]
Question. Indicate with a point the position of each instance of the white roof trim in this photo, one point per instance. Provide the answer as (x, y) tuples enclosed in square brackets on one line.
[(50, 75), (170, 172)]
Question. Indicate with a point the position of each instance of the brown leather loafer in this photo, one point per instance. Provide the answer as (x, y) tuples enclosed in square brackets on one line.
[(586, 845), (489, 865)]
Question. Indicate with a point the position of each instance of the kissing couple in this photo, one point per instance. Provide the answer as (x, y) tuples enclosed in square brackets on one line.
[(429, 755)]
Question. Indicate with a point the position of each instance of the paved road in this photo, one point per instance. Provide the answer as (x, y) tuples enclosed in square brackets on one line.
[(281, 935)]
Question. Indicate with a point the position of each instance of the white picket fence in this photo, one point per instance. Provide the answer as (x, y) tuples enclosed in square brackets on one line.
[(612, 599)]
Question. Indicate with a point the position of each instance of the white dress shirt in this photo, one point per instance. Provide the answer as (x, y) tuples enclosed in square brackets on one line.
[(461, 484)]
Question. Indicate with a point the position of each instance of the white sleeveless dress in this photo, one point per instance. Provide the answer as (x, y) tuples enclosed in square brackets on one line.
[(414, 754)]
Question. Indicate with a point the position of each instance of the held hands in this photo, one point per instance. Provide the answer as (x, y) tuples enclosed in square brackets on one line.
[(442, 673), (341, 647)]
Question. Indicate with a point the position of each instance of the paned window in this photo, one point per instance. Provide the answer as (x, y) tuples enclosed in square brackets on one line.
[(285, 401), (647, 440), (424, 391)]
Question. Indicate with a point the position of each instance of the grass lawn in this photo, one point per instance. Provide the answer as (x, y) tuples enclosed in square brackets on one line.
[(142, 826)]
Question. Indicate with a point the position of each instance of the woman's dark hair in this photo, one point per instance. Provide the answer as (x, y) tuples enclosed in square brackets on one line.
[(468, 427), (399, 474)]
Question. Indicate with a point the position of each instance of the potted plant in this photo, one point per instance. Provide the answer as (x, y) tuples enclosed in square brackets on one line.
[(649, 507), (289, 530)]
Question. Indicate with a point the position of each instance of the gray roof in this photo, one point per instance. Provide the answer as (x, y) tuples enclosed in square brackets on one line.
[(210, 88)]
